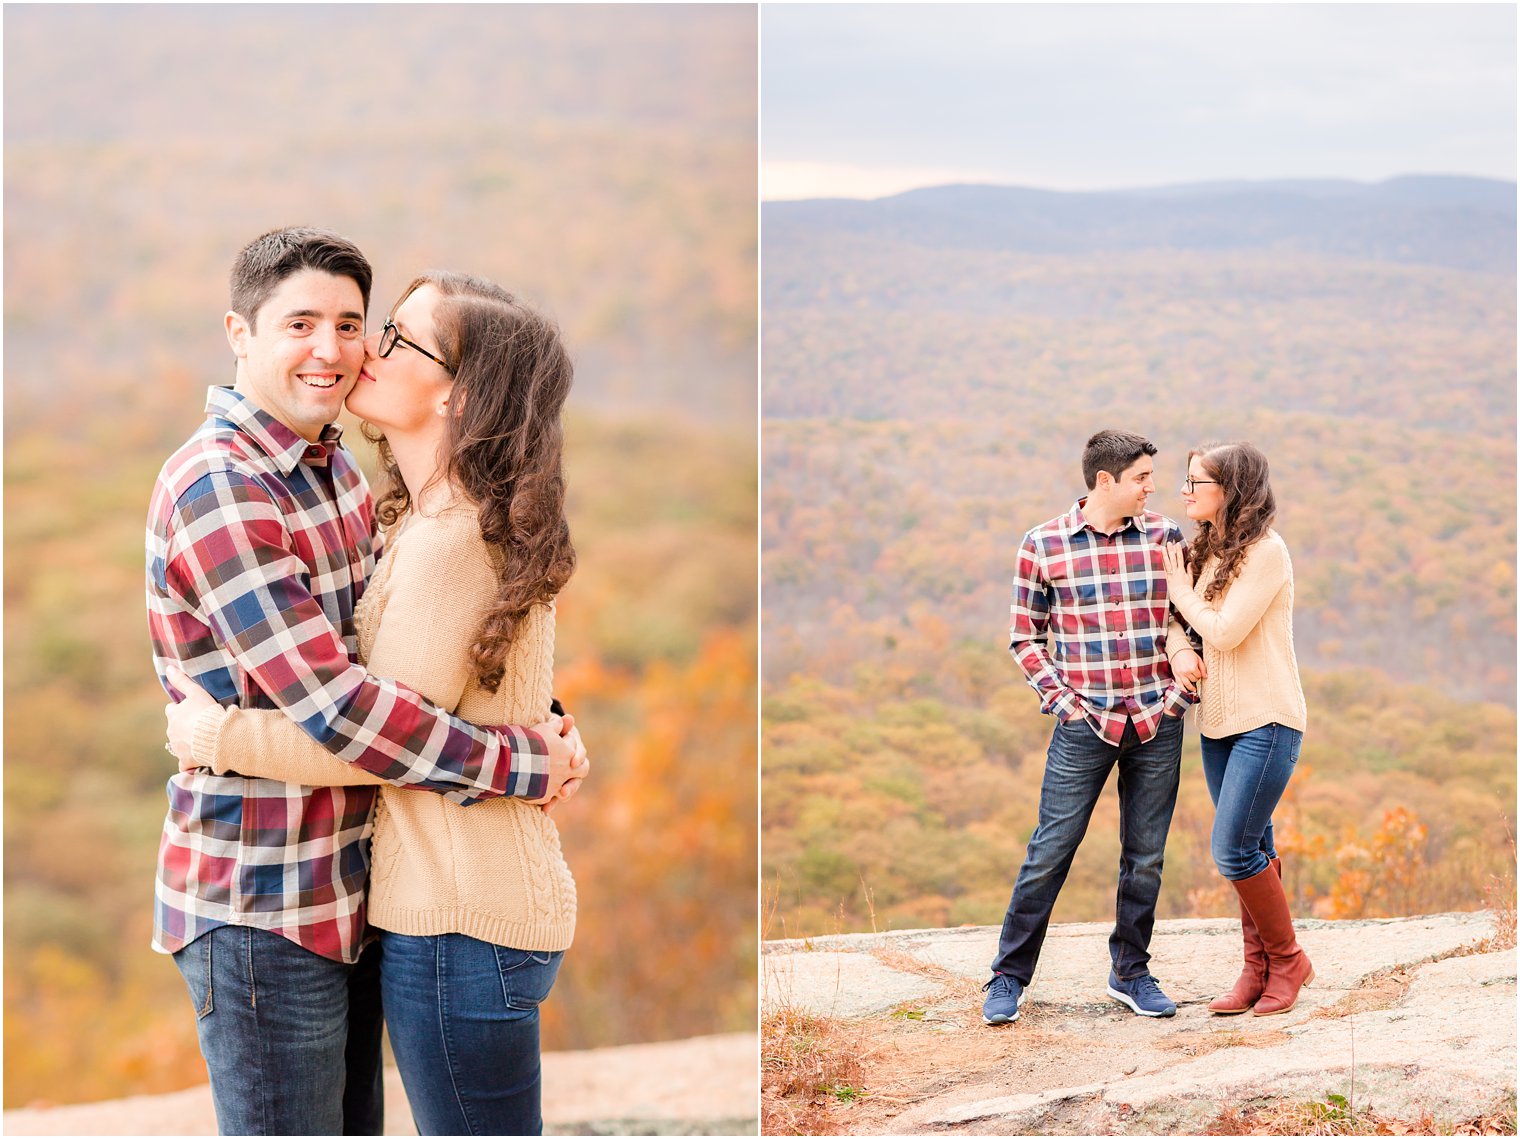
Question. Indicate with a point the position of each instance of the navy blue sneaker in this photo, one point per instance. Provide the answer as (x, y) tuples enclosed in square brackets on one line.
[(1004, 996), (1142, 994)]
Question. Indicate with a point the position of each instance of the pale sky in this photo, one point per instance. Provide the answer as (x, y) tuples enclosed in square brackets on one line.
[(864, 100)]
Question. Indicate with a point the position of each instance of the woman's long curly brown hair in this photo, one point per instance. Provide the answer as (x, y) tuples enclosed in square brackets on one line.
[(1249, 508), (502, 448)]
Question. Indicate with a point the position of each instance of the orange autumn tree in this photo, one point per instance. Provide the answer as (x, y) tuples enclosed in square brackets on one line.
[(666, 875), (1379, 876)]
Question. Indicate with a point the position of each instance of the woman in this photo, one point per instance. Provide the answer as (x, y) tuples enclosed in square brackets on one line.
[(1239, 599), (475, 904)]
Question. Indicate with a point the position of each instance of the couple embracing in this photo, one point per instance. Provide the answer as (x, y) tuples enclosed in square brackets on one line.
[(1141, 628), (326, 696)]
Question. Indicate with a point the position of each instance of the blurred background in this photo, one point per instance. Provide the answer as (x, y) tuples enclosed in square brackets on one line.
[(993, 230), (600, 161)]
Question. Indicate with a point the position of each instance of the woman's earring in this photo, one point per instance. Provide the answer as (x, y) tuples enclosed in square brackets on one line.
[(443, 408)]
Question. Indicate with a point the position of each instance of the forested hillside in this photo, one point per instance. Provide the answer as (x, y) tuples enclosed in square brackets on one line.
[(598, 161), (926, 397)]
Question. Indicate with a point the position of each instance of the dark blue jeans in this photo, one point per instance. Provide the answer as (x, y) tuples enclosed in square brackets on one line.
[(1076, 767), (1247, 774), (463, 1018), (291, 1039)]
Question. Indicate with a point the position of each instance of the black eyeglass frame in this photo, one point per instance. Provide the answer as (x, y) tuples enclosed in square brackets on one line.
[(1191, 484), (390, 336)]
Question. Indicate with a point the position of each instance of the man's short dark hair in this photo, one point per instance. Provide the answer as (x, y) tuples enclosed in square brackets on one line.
[(267, 260), (1114, 452)]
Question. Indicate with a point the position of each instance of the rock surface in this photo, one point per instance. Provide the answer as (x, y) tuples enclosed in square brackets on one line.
[(708, 1085), (1424, 1029)]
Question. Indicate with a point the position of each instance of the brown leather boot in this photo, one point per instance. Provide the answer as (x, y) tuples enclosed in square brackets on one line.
[(1288, 967), (1253, 978)]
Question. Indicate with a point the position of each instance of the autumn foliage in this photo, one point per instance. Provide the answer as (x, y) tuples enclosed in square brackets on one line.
[(889, 804), (603, 169)]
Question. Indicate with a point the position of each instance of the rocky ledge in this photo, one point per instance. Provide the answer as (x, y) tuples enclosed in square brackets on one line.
[(1405, 1016)]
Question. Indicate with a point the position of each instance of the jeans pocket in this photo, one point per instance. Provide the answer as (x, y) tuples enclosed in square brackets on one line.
[(526, 977), (194, 962)]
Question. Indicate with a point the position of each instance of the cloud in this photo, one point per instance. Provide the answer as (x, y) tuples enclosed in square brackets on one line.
[(1092, 95)]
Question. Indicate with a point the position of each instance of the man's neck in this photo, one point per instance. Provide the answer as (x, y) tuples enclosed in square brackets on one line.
[(1103, 518)]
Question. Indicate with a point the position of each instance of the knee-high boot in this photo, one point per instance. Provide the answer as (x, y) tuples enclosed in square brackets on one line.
[(1253, 978), (1288, 967)]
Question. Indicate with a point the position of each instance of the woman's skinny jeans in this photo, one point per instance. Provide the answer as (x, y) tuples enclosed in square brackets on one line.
[(1247, 774), (463, 1020)]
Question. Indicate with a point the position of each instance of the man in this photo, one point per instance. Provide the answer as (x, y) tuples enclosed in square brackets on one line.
[(260, 541), (1095, 578)]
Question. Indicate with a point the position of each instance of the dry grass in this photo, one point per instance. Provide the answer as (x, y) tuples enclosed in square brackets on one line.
[(1202, 1043), (903, 962), (1380, 990), (810, 1065), (1501, 903), (1332, 1116)]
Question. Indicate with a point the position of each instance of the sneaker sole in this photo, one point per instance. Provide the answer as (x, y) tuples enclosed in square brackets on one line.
[(996, 1021), (1129, 1003)]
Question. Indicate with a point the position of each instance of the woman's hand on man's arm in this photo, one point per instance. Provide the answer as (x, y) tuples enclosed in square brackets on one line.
[(568, 766), (183, 716)]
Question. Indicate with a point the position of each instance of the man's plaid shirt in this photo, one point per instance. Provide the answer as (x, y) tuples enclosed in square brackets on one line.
[(1103, 599), (259, 546)]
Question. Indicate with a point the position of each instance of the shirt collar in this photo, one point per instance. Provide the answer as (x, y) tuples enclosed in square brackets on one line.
[(1076, 520), (274, 438)]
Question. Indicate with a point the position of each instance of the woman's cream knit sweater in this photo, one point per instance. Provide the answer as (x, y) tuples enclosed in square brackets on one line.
[(492, 870), (1247, 643)]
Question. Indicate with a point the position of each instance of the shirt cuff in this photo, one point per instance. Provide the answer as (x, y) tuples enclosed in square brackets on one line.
[(1178, 700), (1065, 706), (527, 757)]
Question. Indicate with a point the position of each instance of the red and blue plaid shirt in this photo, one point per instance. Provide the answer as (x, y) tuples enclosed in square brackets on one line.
[(1103, 599), (259, 546)]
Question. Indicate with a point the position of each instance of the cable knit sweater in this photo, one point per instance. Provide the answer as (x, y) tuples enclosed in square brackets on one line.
[(1247, 643), (492, 870)]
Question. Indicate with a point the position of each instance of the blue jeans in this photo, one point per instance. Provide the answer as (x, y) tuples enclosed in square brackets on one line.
[(1076, 767), (1247, 774), (291, 1038), (463, 1018)]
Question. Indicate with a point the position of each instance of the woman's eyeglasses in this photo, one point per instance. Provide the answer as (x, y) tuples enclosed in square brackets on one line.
[(1187, 484), (390, 336)]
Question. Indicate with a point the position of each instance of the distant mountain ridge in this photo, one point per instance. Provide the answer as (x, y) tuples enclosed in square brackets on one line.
[(1451, 221)]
